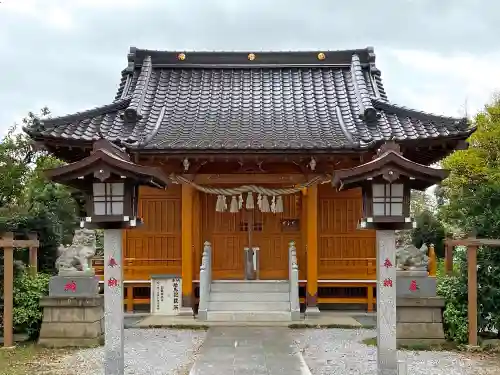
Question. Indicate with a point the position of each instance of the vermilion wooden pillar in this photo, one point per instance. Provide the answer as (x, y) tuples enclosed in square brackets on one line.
[(197, 240), (187, 244), (312, 250)]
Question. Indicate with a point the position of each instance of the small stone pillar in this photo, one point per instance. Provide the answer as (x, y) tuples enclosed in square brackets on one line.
[(73, 312), (419, 309)]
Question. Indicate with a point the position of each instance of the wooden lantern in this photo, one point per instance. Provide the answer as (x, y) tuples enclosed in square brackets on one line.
[(110, 182), (386, 184)]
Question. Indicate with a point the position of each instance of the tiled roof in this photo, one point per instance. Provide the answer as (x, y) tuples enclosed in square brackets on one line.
[(277, 101)]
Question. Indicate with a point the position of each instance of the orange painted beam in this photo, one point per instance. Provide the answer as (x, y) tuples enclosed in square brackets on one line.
[(312, 245), (187, 244)]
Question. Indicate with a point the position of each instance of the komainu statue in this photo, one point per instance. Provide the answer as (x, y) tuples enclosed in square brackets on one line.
[(75, 258), (409, 258)]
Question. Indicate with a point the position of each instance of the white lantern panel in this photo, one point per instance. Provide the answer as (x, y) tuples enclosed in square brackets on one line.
[(397, 209), (117, 189), (378, 209), (378, 190), (117, 208), (99, 189), (99, 208), (397, 190)]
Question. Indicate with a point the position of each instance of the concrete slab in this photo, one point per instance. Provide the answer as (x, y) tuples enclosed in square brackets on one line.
[(325, 319), (252, 351)]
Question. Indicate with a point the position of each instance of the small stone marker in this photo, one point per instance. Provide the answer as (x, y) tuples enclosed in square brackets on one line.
[(386, 303), (113, 303)]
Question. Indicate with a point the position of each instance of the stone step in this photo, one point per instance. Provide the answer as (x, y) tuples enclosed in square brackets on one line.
[(249, 316), (248, 306), (250, 286), (250, 296)]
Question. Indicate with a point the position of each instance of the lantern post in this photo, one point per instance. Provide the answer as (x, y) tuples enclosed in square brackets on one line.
[(386, 183), (110, 182)]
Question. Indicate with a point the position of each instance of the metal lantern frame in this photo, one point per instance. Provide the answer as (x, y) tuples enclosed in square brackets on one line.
[(386, 183), (110, 182)]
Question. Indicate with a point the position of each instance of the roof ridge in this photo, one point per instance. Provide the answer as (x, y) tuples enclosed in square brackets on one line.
[(397, 108), (250, 58), (96, 111)]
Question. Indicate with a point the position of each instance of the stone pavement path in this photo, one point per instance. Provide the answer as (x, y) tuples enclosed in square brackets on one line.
[(249, 351)]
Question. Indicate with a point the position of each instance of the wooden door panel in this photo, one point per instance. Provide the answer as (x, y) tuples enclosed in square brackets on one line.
[(272, 236), (228, 235), (228, 256)]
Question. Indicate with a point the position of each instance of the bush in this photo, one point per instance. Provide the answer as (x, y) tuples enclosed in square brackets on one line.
[(455, 321), (28, 290)]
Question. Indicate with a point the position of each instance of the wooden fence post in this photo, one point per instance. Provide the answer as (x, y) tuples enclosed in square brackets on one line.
[(432, 261), (8, 290), (8, 243)]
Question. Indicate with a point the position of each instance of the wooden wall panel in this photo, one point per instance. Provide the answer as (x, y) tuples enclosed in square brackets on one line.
[(155, 247), (344, 251)]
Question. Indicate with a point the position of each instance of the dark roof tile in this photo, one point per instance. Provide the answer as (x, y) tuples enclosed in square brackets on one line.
[(225, 101)]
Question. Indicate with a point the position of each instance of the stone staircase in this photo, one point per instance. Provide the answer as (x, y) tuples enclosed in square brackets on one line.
[(256, 301), (248, 300)]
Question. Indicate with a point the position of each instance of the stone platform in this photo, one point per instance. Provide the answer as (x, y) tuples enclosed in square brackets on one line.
[(420, 321), (72, 321), (327, 319)]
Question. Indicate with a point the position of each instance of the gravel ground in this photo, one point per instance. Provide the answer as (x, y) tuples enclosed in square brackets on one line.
[(151, 352), (340, 351)]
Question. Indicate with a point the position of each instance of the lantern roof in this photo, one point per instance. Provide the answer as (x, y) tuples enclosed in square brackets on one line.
[(107, 156), (390, 164)]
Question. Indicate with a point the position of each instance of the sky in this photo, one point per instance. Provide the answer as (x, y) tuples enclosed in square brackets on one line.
[(439, 56)]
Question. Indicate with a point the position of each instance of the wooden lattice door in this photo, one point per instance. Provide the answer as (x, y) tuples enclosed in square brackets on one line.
[(272, 234), (228, 234)]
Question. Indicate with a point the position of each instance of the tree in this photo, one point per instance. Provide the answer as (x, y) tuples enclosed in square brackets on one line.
[(28, 201), (31, 203), (429, 230), (471, 201), (471, 193)]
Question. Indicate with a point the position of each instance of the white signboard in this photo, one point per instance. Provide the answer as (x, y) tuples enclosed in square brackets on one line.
[(166, 295)]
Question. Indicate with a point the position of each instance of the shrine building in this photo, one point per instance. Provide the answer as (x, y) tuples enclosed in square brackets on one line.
[(250, 141)]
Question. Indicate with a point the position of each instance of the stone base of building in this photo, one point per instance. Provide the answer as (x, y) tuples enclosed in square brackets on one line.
[(420, 320), (72, 321)]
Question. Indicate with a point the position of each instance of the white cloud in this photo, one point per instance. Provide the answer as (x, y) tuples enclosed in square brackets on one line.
[(62, 14), (473, 78), (45, 12)]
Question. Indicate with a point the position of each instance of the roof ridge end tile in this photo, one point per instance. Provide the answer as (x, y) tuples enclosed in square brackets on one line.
[(366, 110), (133, 112)]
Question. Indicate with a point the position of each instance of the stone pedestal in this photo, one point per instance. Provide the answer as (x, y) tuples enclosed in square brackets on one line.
[(72, 321), (420, 320), (415, 284), (73, 285)]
